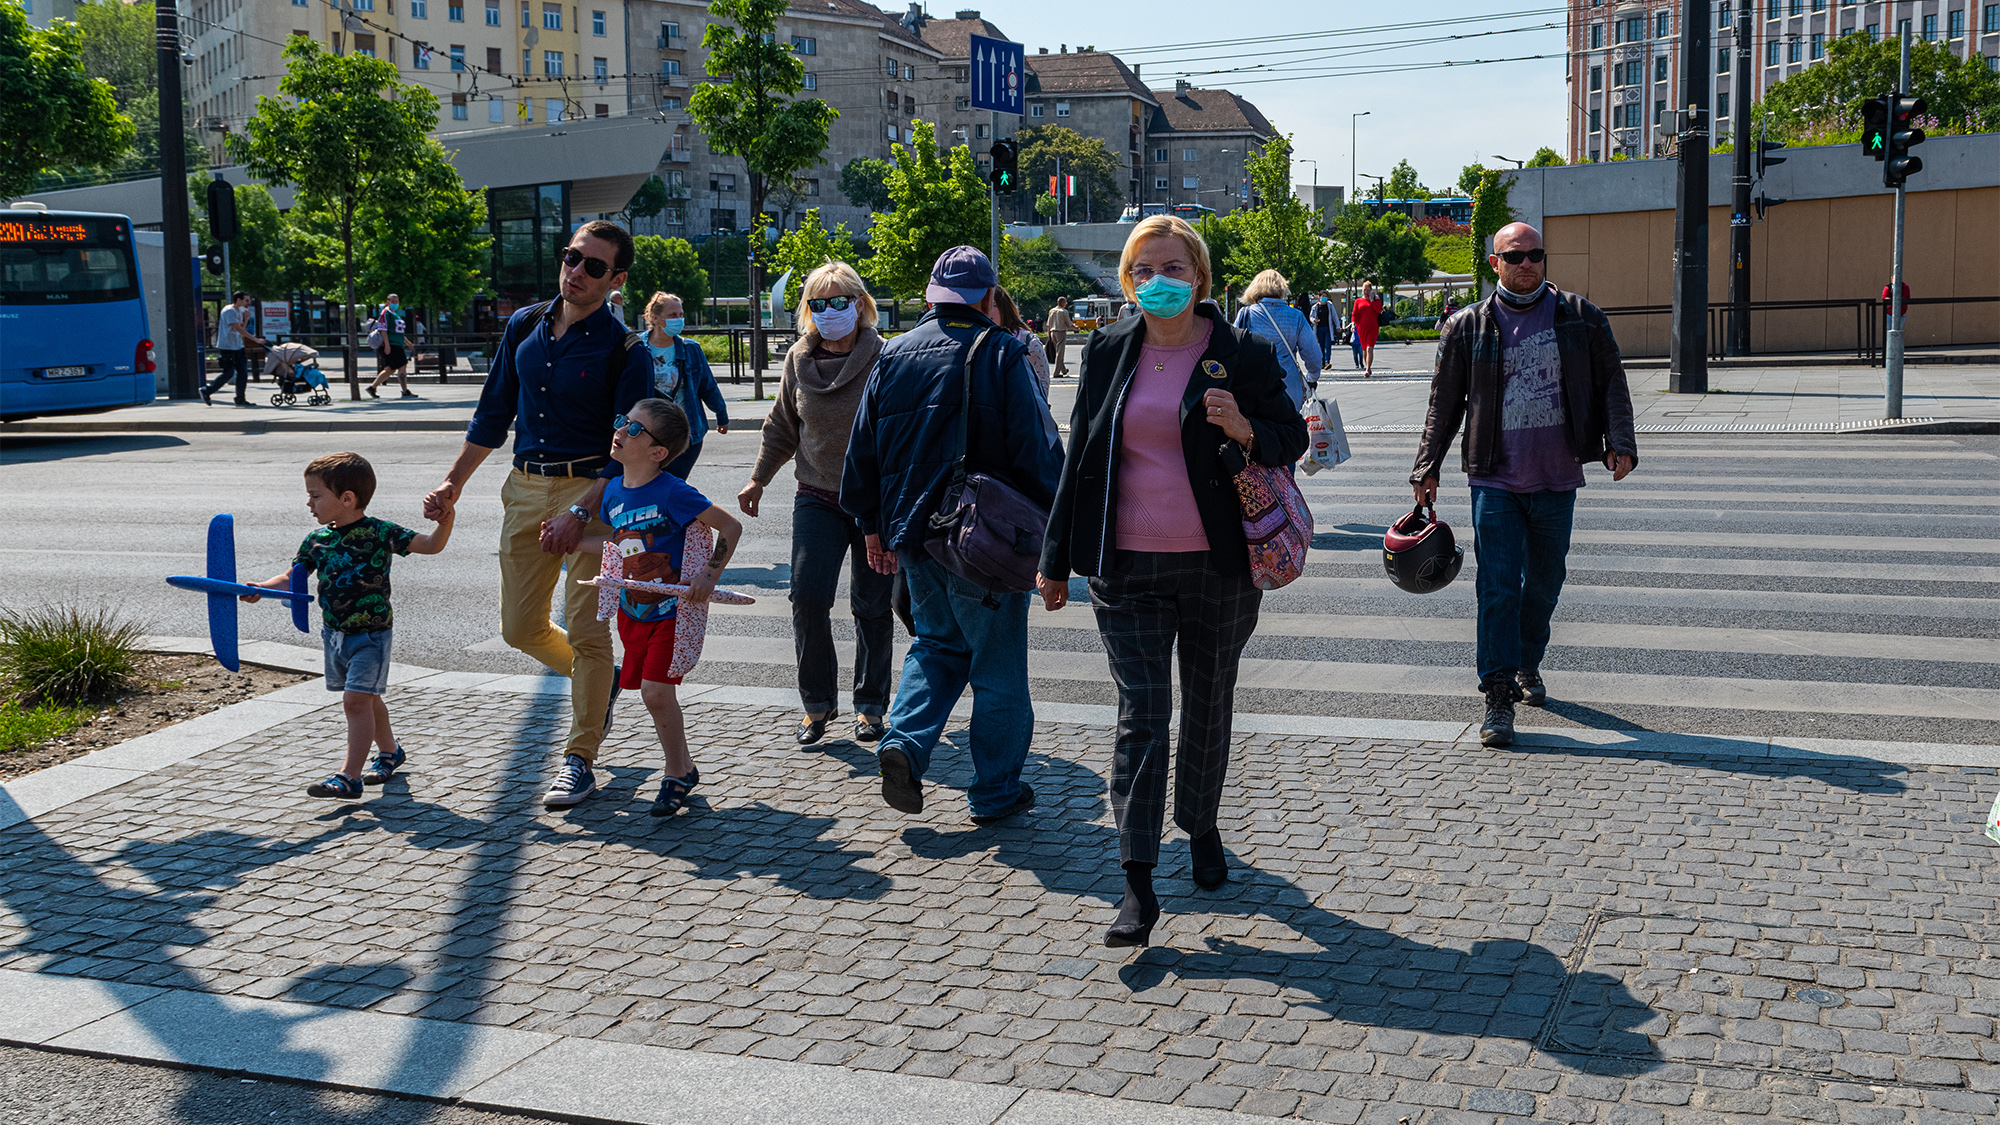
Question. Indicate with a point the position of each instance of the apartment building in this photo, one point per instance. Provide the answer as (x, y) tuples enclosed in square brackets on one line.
[(952, 39), (1096, 94), (1197, 144), (40, 12), (1624, 74), (491, 63)]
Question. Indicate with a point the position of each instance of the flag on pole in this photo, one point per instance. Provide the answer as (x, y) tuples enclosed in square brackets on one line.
[(1069, 185), (1052, 185)]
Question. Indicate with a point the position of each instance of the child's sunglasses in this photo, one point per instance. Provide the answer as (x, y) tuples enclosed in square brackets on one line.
[(1516, 257), (837, 304), (633, 428), (595, 267)]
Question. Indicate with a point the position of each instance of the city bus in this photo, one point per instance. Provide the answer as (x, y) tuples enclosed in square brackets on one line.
[(73, 332)]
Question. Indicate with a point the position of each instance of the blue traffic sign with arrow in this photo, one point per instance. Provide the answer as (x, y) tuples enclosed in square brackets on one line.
[(999, 76)]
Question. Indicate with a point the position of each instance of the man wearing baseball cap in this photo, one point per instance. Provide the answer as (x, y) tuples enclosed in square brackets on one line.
[(899, 462)]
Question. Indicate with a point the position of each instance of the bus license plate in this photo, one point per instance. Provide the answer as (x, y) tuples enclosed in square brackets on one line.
[(65, 372)]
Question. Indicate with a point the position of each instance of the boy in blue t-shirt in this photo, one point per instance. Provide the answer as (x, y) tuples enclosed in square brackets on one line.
[(351, 553), (649, 510)]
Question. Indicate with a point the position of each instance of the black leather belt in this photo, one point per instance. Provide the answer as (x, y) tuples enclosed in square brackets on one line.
[(586, 467)]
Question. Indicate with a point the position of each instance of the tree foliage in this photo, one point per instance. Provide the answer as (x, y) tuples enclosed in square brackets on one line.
[(1468, 179), (664, 265), (807, 248), (425, 235), (862, 181), (53, 115), (648, 201), (1403, 183), (1490, 212), (267, 258), (1100, 175), (727, 257), (1035, 272), (1546, 157), (938, 201), (1961, 93), (1282, 234)]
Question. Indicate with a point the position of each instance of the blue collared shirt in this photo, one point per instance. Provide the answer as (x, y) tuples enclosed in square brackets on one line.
[(555, 393)]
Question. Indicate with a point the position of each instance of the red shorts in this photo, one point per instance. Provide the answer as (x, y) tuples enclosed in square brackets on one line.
[(649, 651)]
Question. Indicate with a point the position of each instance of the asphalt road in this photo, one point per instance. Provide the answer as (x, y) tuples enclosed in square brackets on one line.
[(1837, 587)]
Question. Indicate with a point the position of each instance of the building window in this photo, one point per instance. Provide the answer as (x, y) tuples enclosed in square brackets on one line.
[(552, 62), (670, 67), (600, 70), (493, 60), (1722, 106), (725, 181), (1989, 18), (1597, 78), (1798, 7), (1596, 36), (1771, 53), (1159, 156), (363, 5), (492, 13), (724, 217), (1794, 51), (1660, 69), (496, 110), (981, 132), (1159, 183), (458, 56), (1722, 15), (527, 61), (458, 111), (812, 187), (1189, 183), (668, 33), (420, 57), (1772, 10), (555, 111), (1722, 60), (1661, 25), (890, 68), (455, 13), (1819, 5), (364, 45), (597, 24), (420, 9), (1819, 45), (1956, 25), (812, 81), (1993, 62), (961, 103), (1189, 154), (1062, 109), (670, 103), (1597, 121), (551, 17), (1659, 112), (1035, 110), (805, 44), (526, 19)]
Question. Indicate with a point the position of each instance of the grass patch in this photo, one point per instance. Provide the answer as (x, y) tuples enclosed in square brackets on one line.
[(22, 727), (1397, 332), (67, 656)]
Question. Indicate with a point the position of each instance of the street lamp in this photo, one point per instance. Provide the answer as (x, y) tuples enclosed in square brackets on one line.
[(1315, 164), (1381, 196), (1353, 131), (1516, 163)]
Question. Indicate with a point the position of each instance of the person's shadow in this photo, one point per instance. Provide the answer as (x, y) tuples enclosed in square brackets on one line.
[(1354, 973)]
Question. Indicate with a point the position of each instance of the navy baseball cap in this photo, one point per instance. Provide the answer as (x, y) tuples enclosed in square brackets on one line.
[(961, 276)]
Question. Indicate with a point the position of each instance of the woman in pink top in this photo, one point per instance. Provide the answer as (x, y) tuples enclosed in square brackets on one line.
[(1171, 404)]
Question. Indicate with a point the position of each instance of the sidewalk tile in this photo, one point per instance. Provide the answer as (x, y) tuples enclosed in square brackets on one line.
[(38, 1007)]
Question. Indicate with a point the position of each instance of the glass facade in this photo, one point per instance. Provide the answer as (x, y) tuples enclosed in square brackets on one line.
[(530, 226)]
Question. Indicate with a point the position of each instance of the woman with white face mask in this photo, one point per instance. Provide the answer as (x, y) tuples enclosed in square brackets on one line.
[(809, 424), (681, 376)]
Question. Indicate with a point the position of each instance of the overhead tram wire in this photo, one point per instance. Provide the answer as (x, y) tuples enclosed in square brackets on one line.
[(1417, 25)]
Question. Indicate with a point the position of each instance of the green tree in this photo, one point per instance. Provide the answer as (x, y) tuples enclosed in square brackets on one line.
[(1388, 251), (265, 259), (119, 47), (861, 181), (727, 257), (1490, 212), (1546, 157), (1961, 93), (426, 235), (1468, 179), (807, 248), (938, 201), (342, 129), (1099, 173), (1283, 234), (648, 201), (1045, 206), (1403, 183), (754, 115), (1035, 272), (1223, 234), (664, 265), (53, 115)]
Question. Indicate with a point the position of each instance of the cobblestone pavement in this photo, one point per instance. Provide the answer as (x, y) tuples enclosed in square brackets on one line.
[(1420, 931)]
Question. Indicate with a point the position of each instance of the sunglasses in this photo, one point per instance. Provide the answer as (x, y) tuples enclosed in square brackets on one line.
[(595, 267), (837, 304), (633, 428), (1516, 257)]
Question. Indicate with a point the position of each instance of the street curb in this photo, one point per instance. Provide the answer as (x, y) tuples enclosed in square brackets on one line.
[(284, 426)]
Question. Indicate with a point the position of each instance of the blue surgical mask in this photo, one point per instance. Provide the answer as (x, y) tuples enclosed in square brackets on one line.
[(672, 325), (836, 324), (1164, 296)]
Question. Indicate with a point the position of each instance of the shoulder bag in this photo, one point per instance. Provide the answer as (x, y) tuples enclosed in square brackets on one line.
[(985, 531), (1309, 378)]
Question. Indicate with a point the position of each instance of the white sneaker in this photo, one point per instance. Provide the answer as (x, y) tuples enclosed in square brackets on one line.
[(573, 783)]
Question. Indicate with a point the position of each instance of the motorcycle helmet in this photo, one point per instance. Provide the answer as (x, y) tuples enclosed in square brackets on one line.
[(1419, 552)]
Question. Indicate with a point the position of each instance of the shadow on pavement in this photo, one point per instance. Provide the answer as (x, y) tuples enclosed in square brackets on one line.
[(29, 449), (1860, 775)]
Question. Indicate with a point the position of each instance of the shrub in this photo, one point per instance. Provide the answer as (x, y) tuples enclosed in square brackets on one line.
[(66, 655)]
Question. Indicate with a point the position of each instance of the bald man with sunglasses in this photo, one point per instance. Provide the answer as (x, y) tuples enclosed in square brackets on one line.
[(1534, 374)]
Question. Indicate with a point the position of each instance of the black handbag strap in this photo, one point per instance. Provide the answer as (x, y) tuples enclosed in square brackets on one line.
[(965, 410)]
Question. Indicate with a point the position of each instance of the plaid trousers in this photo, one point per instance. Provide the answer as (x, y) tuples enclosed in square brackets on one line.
[(1145, 605)]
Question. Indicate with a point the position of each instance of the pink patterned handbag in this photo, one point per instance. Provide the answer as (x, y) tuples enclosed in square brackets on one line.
[(1277, 525)]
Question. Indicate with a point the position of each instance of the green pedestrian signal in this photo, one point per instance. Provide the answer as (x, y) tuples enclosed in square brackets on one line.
[(1006, 174), (1875, 127)]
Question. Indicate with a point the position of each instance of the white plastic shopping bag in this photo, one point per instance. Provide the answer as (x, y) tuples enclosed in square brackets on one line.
[(1326, 435)]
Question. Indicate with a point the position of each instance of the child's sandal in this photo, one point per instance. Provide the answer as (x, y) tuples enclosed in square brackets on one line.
[(674, 793)]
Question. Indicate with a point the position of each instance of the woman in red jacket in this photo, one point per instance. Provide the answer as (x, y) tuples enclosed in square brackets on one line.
[(1366, 320)]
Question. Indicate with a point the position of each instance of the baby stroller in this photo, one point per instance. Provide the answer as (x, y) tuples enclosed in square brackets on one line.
[(296, 369)]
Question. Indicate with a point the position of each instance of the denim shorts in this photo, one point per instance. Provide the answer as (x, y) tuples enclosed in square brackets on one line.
[(357, 661)]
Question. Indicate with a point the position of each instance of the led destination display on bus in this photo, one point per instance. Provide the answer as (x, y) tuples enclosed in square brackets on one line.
[(15, 232)]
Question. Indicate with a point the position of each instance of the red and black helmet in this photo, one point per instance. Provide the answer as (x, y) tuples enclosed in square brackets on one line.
[(1419, 552)]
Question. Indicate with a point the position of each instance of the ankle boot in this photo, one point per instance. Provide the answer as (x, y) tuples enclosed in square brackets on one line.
[(1211, 869), (1138, 912)]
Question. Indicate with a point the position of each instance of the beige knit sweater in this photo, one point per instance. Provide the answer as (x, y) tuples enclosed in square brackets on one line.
[(814, 412)]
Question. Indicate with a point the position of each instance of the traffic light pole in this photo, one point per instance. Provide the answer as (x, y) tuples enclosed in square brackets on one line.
[(1739, 202), (183, 332), (1688, 365), (992, 195), (1892, 351)]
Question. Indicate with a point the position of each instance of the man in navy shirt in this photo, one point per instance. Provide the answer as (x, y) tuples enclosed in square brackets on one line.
[(555, 380)]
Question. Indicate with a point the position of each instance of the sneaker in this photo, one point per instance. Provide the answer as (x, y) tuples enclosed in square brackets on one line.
[(611, 705), (572, 785), (674, 793), (411, 394), (1498, 729), (869, 728), (1024, 801), (339, 785), (378, 771), (1533, 692), (900, 787)]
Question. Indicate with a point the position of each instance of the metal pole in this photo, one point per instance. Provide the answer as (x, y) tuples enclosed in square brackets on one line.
[(183, 331), (1739, 202), (1892, 392), (993, 197), (1688, 366)]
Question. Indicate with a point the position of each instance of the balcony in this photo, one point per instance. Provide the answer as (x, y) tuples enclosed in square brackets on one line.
[(679, 155)]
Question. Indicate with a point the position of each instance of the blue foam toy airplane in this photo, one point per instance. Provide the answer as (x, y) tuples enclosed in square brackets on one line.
[(223, 589)]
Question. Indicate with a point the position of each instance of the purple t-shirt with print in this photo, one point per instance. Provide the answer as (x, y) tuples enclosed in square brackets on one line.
[(1534, 453)]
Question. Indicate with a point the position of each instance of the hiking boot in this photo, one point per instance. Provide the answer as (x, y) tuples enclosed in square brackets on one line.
[(1498, 729), (1533, 692)]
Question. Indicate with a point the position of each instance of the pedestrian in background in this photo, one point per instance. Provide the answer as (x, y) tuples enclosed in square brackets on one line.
[(810, 422), (1010, 319), (1534, 373), (899, 463), (1148, 509), (232, 329), (395, 356), (682, 377), (1323, 317), (1366, 322), (1061, 324), (1265, 314)]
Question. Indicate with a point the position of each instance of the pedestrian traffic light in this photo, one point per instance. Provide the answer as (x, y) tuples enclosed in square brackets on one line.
[(1875, 127), (1764, 157), (211, 258), (1006, 174), (1898, 165), (221, 210), (1764, 202)]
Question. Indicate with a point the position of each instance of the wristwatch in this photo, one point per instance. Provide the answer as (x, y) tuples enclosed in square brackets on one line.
[(580, 512)]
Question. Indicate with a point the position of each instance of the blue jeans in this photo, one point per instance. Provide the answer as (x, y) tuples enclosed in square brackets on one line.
[(962, 639), (1324, 334), (823, 539), (1522, 542), (684, 464)]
